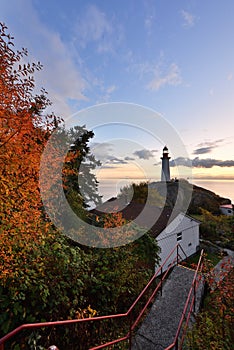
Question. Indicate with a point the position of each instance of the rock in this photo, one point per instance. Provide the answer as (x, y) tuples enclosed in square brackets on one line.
[(200, 197)]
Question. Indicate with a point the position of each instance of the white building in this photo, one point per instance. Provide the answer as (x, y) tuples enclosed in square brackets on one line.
[(226, 209), (168, 228), (184, 230)]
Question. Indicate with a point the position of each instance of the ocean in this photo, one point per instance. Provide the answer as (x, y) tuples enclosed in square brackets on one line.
[(225, 188)]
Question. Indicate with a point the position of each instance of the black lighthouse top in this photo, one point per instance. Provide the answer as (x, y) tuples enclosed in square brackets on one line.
[(165, 153)]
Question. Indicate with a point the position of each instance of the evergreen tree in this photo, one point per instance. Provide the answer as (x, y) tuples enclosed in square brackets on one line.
[(81, 184)]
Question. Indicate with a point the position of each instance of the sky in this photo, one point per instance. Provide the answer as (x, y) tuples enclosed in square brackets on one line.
[(173, 57)]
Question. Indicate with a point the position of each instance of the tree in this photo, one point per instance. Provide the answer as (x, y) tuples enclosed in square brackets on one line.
[(80, 178), (217, 228), (122, 282), (141, 193), (214, 325), (43, 277), (37, 264), (22, 138)]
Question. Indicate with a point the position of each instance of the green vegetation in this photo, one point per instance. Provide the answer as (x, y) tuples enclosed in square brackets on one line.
[(141, 193), (77, 139), (212, 258), (217, 229), (205, 199), (214, 327), (44, 276)]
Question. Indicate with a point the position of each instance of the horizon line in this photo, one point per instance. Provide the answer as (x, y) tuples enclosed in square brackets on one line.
[(180, 178)]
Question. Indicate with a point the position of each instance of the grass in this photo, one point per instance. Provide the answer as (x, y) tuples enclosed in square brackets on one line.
[(192, 261), (213, 258), (198, 217)]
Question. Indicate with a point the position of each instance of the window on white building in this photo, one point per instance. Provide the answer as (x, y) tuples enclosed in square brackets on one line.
[(179, 236)]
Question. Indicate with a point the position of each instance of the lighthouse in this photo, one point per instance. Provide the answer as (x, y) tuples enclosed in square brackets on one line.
[(165, 175)]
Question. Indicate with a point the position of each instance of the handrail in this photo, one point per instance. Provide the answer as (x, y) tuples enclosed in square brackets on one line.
[(182, 250), (114, 316), (154, 276), (193, 289), (160, 269), (55, 323)]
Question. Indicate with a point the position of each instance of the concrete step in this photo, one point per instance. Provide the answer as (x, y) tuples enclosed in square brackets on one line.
[(159, 327)]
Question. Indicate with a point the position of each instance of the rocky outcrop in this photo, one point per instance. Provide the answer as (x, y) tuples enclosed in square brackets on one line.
[(203, 198), (189, 197)]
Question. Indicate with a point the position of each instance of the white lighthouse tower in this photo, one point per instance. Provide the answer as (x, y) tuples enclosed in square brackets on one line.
[(165, 175)]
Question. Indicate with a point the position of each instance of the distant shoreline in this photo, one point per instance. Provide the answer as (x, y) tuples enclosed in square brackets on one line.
[(223, 187)]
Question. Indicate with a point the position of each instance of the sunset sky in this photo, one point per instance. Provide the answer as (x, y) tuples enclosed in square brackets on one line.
[(175, 57)]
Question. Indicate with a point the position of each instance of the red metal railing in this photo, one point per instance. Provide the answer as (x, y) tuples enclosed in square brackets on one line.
[(158, 274), (189, 306)]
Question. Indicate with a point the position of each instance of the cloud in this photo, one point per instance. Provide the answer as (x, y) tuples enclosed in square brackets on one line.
[(109, 167), (211, 143), (149, 20), (104, 153), (106, 93), (143, 154), (101, 150), (94, 27), (203, 150), (188, 18), (60, 76), (171, 77), (156, 74), (114, 160), (201, 163), (63, 79), (209, 163), (129, 158), (230, 77), (149, 13), (208, 146), (110, 89), (181, 161)]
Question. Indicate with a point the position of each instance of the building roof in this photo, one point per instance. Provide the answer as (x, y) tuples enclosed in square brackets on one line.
[(227, 206), (147, 216)]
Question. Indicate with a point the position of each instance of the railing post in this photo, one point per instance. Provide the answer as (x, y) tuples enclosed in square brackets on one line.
[(194, 292), (177, 254), (177, 344), (130, 330), (161, 280), (1, 346)]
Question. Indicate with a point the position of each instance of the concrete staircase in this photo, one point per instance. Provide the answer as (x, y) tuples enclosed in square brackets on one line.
[(160, 325)]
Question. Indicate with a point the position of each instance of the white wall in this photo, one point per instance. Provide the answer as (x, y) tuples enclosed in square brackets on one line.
[(168, 238), (226, 211)]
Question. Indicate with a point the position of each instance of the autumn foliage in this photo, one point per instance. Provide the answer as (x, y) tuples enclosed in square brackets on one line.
[(22, 139), (35, 261), (214, 327), (44, 276)]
